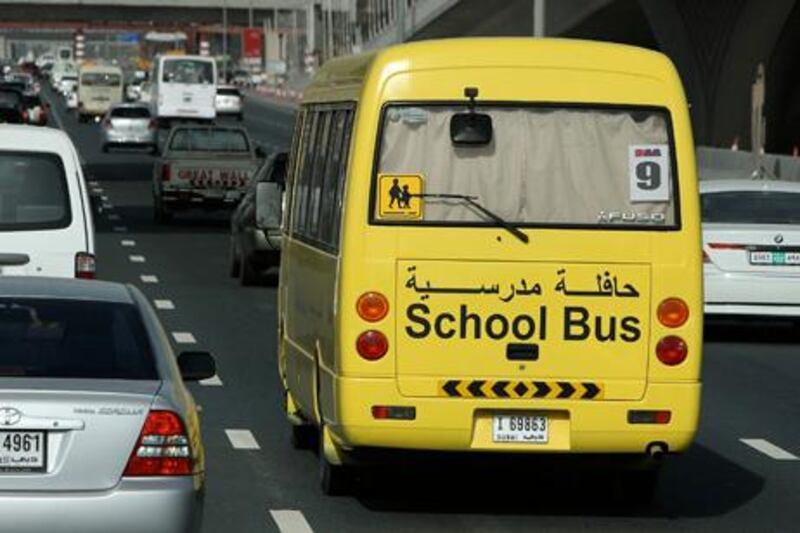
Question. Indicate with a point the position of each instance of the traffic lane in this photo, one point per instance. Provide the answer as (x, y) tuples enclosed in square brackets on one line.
[(271, 124), (237, 488), (190, 259)]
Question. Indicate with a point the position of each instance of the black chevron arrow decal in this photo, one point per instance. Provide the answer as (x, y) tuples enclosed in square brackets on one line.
[(567, 389), (542, 389), (475, 389), (592, 391), (451, 388), (521, 389), (499, 389)]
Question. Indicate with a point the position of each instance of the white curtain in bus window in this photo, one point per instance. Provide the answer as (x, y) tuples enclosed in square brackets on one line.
[(543, 165)]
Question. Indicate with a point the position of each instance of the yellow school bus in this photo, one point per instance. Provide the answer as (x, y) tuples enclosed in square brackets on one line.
[(493, 245)]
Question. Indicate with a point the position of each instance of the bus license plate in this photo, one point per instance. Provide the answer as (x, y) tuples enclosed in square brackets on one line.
[(23, 451), (774, 258), (520, 428)]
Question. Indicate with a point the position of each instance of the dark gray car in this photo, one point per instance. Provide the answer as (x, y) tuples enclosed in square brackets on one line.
[(98, 432), (254, 249)]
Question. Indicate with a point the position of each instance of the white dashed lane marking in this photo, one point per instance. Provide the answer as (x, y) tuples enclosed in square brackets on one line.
[(213, 381), (183, 337), (136, 258), (164, 304), (242, 439), (289, 521), (128, 242), (149, 278), (770, 450)]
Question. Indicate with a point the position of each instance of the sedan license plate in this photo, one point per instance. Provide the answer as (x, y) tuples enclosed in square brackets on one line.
[(23, 451), (774, 258), (531, 429)]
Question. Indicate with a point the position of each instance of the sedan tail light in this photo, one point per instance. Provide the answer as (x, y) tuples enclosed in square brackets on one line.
[(85, 265), (162, 448), (153, 124), (166, 172)]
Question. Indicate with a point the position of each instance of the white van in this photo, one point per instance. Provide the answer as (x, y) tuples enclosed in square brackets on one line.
[(46, 226), (184, 87)]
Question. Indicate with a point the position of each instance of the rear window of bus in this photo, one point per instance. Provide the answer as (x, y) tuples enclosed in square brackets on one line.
[(33, 192), (187, 71), (100, 79), (54, 338), (546, 165), (209, 140)]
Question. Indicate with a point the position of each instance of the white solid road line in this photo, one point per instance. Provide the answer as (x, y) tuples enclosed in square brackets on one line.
[(242, 439), (127, 242), (136, 258), (770, 450), (149, 278), (213, 381), (183, 337), (164, 304), (291, 521)]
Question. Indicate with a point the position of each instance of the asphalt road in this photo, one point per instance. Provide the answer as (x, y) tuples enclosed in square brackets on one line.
[(256, 482)]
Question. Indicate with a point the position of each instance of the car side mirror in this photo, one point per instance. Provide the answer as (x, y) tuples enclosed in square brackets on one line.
[(269, 199), (195, 366)]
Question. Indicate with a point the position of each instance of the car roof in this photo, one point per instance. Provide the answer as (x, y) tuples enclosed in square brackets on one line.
[(34, 139), (744, 185), (64, 289)]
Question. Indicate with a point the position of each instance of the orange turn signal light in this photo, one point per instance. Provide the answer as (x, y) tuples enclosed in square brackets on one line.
[(372, 306), (673, 312)]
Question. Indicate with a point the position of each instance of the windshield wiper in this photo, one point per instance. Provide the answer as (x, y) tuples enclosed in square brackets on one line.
[(471, 200)]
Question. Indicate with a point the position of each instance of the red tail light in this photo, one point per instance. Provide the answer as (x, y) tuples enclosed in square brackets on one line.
[(166, 172), (25, 116), (85, 265), (372, 345), (726, 246), (106, 123), (672, 350), (152, 125), (162, 448), (706, 258), (372, 306)]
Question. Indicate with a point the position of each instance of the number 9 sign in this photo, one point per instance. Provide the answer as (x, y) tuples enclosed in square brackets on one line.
[(648, 168)]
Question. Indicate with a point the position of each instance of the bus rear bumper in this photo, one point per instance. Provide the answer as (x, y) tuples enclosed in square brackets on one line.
[(465, 424)]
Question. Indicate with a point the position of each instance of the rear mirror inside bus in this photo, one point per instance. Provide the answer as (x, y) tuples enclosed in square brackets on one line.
[(471, 129)]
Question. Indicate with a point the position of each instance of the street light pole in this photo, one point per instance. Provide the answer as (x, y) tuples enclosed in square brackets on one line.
[(538, 18), (250, 15), (224, 40)]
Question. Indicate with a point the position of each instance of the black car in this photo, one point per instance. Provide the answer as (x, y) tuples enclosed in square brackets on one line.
[(12, 106), (253, 250)]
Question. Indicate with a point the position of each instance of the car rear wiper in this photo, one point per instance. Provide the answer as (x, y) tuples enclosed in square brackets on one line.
[(471, 200)]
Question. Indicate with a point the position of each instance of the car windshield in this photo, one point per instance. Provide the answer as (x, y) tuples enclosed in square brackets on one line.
[(751, 207), (33, 192), (101, 79), (73, 339), (209, 140), (544, 165), (130, 112), (188, 71)]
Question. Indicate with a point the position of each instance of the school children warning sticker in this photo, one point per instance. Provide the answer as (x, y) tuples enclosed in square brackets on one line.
[(400, 196)]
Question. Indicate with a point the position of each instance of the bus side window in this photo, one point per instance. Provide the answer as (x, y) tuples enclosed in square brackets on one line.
[(304, 172)]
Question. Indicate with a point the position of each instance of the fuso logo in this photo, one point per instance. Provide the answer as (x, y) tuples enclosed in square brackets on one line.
[(647, 152)]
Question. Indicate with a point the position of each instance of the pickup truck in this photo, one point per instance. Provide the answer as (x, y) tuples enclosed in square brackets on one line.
[(202, 166)]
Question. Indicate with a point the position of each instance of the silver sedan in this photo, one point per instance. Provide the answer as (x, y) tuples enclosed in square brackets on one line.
[(98, 432), (129, 125)]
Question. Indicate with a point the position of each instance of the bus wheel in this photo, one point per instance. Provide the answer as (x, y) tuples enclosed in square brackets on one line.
[(303, 435), (334, 479)]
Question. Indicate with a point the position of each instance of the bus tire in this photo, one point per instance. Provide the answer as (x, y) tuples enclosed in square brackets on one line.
[(334, 480)]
